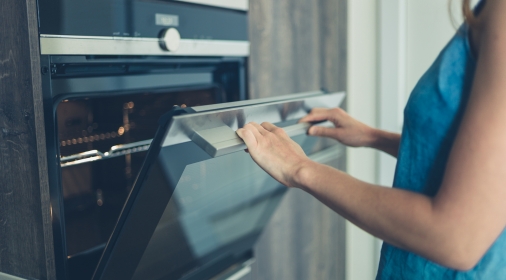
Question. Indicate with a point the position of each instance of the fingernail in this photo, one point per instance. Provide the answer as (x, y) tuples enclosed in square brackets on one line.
[(311, 131)]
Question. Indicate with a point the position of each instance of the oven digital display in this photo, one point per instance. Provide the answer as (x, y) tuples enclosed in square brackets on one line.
[(166, 20)]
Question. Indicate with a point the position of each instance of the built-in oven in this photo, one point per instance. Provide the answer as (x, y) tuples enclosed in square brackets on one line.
[(104, 114), (147, 177)]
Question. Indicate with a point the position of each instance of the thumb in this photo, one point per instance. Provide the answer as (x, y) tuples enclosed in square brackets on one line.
[(248, 137), (322, 131)]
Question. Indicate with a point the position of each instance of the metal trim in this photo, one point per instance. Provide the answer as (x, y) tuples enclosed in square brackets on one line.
[(130, 82), (105, 45), (242, 5), (245, 270), (223, 140), (204, 108), (115, 151), (6, 276), (290, 109)]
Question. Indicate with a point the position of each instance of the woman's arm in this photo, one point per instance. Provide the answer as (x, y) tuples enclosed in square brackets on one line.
[(457, 226), (351, 132), (385, 141), (401, 218)]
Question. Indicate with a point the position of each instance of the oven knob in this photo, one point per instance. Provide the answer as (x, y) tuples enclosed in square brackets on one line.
[(169, 39)]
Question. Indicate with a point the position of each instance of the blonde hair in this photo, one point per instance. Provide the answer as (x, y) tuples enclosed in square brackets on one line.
[(467, 12)]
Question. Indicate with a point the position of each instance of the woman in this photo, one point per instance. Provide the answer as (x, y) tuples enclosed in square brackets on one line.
[(445, 216)]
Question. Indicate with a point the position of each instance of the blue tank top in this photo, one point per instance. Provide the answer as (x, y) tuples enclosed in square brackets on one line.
[(431, 119)]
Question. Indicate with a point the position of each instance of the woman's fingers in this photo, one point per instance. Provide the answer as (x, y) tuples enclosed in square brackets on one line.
[(250, 134), (317, 115), (248, 137), (254, 128), (273, 151), (322, 131), (313, 118), (259, 128), (269, 126), (318, 110)]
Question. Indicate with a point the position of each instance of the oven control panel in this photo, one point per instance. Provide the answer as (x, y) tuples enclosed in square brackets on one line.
[(140, 27)]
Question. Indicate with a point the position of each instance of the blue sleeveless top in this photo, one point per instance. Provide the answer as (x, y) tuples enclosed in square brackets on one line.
[(431, 119)]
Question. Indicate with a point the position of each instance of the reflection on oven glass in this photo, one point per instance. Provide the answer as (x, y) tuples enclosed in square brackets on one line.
[(94, 192), (99, 123), (209, 210), (218, 207)]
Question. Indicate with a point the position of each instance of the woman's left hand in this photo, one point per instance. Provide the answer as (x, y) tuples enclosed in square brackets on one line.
[(272, 149)]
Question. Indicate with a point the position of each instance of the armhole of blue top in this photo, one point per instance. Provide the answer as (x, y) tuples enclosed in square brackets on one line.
[(469, 49)]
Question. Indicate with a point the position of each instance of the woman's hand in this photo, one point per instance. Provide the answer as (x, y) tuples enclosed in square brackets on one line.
[(272, 149), (347, 130)]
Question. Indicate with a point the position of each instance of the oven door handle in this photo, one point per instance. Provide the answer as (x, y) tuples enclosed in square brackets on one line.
[(223, 140)]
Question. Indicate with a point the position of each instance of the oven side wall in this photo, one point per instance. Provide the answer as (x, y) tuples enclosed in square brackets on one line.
[(26, 242), (297, 46)]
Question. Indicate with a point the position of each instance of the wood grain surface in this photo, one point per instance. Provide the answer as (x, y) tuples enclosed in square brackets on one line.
[(296, 46), (25, 229)]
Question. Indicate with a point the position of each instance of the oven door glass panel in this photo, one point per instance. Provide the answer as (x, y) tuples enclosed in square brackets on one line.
[(188, 210), (94, 192)]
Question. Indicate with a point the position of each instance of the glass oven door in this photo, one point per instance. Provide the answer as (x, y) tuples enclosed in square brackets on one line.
[(199, 202)]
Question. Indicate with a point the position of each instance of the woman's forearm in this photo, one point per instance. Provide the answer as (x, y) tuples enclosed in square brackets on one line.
[(449, 229), (404, 219), (385, 141)]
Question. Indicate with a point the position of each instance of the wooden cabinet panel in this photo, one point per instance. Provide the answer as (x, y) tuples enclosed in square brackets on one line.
[(25, 227), (296, 46)]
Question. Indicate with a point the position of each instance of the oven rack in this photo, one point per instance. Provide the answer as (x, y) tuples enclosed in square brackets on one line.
[(95, 155)]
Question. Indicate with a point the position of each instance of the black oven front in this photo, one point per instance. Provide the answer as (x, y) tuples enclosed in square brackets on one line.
[(110, 69), (101, 114)]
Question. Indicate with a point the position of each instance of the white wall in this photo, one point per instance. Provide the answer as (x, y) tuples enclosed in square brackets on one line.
[(429, 28), (361, 261)]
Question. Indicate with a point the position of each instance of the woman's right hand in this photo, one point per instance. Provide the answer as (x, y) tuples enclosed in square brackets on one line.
[(347, 130)]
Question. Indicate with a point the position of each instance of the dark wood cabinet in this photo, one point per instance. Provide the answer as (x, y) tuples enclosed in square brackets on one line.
[(26, 242)]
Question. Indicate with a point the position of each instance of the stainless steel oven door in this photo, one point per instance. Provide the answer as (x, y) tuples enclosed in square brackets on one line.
[(200, 202)]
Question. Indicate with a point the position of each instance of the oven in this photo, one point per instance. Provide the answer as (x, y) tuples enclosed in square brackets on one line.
[(141, 102), (102, 115)]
